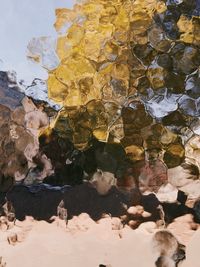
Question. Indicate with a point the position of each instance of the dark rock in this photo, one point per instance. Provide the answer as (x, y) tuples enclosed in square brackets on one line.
[(38, 201), (186, 59), (11, 97), (41, 201), (192, 85), (189, 106), (197, 211), (84, 198)]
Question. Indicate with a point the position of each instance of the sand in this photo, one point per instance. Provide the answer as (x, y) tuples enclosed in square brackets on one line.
[(85, 243)]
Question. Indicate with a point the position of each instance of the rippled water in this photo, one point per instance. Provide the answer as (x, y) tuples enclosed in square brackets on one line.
[(127, 74)]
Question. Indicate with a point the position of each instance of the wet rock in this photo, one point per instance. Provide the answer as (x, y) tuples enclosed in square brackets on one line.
[(174, 155), (175, 82), (162, 104), (134, 118), (192, 85), (175, 119), (185, 58), (165, 61), (168, 248), (168, 19), (152, 176), (156, 75), (192, 150), (10, 95), (189, 106), (103, 181), (127, 176), (158, 39), (144, 52), (38, 91), (42, 50)]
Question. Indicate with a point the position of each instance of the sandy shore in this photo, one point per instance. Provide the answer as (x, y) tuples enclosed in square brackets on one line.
[(86, 243)]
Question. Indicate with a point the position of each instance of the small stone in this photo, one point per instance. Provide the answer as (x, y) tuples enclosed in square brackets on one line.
[(132, 210), (146, 214), (62, 211), (2, 264), (150, 227), (3, 223), (116, 223), (133, 224), (140, 209), (12, 239), (124, 218)]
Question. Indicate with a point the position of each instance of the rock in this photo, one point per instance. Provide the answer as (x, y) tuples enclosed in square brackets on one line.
[(197, 211), (126, 178), (192, 85), (36, 48), (103, 182), (140, 210), (167, 193), (116, 224), (165, 261), (149, 227), (133, 224), (3, 223), (82, 223), (174, 155), (189, 106), (61, 211), (10, 94), (186, 59), (146, 214), (156, 76), (132, 210), (38, 91), (192, 151), (183, 230), (41, 201), (158, 39), (168, 249), (162, 103), (85, 200), (12, 239), (2, 264), (19, 133), (183, 175), (188, 218), (192, 251), (152, 176)]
